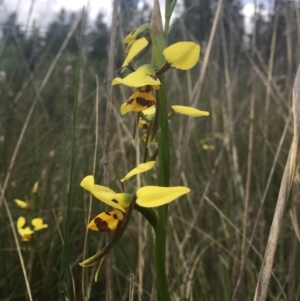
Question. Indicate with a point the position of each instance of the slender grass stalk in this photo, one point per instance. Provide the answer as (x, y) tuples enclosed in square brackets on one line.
[(110, 74), (18, 249), (65, 269), (249, 167), (268, 92), (85, 293)]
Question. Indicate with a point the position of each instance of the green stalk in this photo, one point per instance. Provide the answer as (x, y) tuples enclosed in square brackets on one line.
[(65, 272), (159, 43)]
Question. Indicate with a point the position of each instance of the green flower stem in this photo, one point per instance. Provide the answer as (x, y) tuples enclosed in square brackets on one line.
[(163, 180), (159, 37)]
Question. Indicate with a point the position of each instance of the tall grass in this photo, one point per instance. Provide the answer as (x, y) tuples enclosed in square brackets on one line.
[(218, 233)]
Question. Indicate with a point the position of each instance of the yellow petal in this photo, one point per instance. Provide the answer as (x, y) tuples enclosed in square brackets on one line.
[(149, 114), (102, 188), (21, 222), (88, 183), (38, 224), (135, 34), (25, 231), (182, 55), (144, 75), (189, 111), (123, 109), (106, 195), (153, 196), (135, 49), (21, 203), (143, 167), (142, 99), (116, 200), (106, 221)]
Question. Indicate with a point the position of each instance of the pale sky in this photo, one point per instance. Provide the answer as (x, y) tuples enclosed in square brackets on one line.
[(43, 11)]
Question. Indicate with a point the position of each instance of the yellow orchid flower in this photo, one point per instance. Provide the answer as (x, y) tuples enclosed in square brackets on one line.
[(135, 49), (143, 167), (143, 76), (136, 34), (147, 196), (140, 100), (182, 55), (38, 224), (25, 232), (154, 196), (106, 221), (189, 111), (21, 203)]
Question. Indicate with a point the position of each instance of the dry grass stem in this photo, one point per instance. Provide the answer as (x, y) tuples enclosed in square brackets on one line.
[(286, 183)]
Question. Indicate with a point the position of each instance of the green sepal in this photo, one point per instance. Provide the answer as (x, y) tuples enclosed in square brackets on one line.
[(148, 213)]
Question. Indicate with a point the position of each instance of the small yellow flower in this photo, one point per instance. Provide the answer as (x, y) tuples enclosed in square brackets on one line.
[(143, 167), (154, 196), (140, 100), (25, 232), (38, 224), (189, 111), (21, 203), (143, 76), (182, 55), (136, 48)]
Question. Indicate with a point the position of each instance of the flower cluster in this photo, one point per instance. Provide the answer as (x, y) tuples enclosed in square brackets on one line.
[(145, 78), (26, 232), (146, 81), (37, 223)]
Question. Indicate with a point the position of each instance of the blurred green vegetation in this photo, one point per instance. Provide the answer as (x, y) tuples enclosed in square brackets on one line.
[(204, 235)]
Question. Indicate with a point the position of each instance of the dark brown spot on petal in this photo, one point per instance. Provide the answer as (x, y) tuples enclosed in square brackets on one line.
[(101, 224), (115, 216), (107, 213), (145, 102), (142, 101), (130, 101), (148, 88), (115, 201)]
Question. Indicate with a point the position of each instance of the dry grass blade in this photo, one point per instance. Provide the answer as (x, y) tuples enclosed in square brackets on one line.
[(287, 179)]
